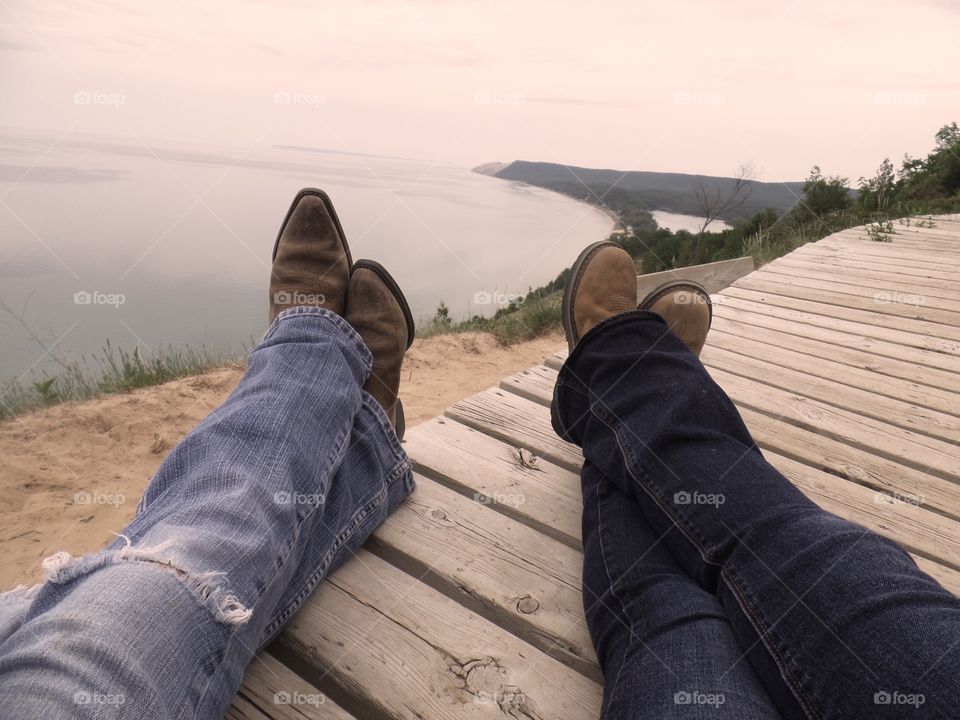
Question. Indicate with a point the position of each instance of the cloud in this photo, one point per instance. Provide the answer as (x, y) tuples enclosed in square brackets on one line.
[(57, 175), (583, 101), (17, 45)]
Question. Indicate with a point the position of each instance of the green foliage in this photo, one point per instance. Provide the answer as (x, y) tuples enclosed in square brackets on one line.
[(877, 193), (827, 208), (938, 175), (442, 316), (824, 195), (109, 371), (880, 231), (45, 390)]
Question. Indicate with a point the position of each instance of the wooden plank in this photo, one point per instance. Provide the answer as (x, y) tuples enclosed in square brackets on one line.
[(938, 323), (823, 453), (471, 462), (934, 237), (272, 691), (930, 246), (871, 281), (402, 650), (927, 454), (929, 309), (505, 416), (503, 570), (878, 252), (931, 535), (848, 255), (915, 384), (713, 276), (855, 262), (813, 380), (853, 464), (907, 256), (933, 370), (855, 322), (861, 273), (917, 530), (878, 292)]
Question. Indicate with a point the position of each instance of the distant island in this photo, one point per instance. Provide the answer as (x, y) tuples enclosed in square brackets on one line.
[(632, 194)]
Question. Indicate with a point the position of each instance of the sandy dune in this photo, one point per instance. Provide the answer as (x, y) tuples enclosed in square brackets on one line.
[(72, 474)]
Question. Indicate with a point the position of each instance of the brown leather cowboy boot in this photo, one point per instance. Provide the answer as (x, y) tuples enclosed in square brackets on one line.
[(378, 311), (311, 258), (686, 308), (602, 283)]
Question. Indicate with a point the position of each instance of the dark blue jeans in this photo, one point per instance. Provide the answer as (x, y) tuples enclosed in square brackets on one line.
[(712, 586)]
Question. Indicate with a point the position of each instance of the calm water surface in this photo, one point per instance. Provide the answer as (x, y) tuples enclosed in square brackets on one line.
[(171, 245)]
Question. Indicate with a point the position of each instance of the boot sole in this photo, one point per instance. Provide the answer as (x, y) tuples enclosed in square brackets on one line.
[(328, 206), (573, 284), (395, 291), (672, 285)]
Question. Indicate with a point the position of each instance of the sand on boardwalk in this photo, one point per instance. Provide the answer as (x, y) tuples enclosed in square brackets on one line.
[(72, 474)]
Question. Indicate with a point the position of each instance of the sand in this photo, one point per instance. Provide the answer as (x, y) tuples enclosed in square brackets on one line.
[(72, 474)]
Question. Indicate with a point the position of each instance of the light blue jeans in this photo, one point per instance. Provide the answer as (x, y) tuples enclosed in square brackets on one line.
[(256, 506)]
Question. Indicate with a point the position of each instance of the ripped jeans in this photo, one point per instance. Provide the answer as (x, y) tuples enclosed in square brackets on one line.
[(264, 498)]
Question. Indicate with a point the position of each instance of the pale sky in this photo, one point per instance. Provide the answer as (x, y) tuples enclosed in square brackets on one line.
[(674, 85)]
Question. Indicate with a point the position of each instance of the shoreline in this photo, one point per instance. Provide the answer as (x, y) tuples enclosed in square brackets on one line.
[(611, 215)]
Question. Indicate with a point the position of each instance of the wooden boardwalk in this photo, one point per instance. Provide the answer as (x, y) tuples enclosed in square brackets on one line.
[(844, 358)]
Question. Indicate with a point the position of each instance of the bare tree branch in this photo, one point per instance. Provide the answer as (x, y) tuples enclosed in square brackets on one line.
[(713, 204)]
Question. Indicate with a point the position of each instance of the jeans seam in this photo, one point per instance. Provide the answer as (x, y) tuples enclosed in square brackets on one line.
[(342, 538), (772, 646), (677, 520), (623, 609)]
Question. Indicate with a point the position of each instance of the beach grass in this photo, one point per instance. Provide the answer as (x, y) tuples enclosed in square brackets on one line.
[(111, 370)]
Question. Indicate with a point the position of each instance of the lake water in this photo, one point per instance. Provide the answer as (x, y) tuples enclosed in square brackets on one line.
[(690, 223), (171, 245)]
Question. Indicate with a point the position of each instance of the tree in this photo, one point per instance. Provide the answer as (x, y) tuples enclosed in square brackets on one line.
[(877, 193), (723, 199), (823, 195), (441, 318), (938, 174)]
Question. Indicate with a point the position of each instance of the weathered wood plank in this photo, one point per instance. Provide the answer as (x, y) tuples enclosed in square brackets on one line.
[(819, 451), (928, 454), (931, 535), (472, 462), (925, 453), (947, 320), (865, 274), (913, 383), (905, 255), (931, 244), (845, 252), (855, 322), (506, 416), (713, 276), (915, 529), (507, 572), (273, 691), (935, 323), (937, 237), (904, 294), (816, 383), (854, 262), (875, 285), (842, 341), (403, 650)]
